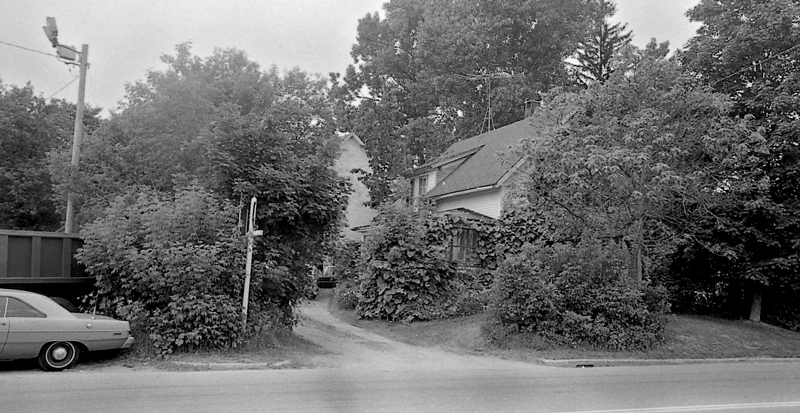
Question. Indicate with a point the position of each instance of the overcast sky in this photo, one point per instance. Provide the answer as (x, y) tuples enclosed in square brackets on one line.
[(126, 38)]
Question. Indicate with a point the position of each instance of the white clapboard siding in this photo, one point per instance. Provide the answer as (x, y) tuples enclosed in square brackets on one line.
[(487, 202)]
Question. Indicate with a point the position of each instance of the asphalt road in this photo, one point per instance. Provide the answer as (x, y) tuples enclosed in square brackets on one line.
[(369, 373), (719, 387)]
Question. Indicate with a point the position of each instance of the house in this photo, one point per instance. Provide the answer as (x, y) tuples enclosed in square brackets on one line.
[(354, 157), (472, 179), (473, 175)]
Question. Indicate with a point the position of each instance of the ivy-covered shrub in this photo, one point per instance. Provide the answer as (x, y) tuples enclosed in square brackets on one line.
[(519, 225), (172, 265), (576, 295), (404, 277)]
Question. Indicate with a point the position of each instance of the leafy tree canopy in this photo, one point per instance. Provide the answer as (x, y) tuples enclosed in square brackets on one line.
[(29, 128), (640, 158), (236, 131), (751, 51), (425, 75)]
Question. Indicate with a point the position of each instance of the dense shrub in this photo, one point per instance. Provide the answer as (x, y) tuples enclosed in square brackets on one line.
[(172, 266), (576, 295), (404, 276), (467, 295), (346, 256)]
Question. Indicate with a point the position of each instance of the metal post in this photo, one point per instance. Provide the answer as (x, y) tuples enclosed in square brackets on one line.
[(251, 234), (76, 139)]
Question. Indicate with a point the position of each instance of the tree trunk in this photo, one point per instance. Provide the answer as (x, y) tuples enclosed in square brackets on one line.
[(635, 261), (635, 264), (755, 306)]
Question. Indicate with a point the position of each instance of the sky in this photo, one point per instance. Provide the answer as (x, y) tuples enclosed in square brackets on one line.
[(127, 38)]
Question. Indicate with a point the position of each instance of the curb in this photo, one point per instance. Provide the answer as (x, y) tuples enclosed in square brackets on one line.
[(581, 363), (232, 365)]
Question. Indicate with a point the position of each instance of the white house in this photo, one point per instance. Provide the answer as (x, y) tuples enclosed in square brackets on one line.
[(473, 175), (354, 157)]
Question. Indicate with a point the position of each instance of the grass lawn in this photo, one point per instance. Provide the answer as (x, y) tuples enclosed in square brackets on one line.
[(688, 337), (282, 351)]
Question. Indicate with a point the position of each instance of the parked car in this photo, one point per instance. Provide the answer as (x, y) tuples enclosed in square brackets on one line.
[(326, 278), (35, 326)]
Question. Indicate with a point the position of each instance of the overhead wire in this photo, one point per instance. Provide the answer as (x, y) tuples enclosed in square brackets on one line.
[(65, 86), (30, 50), (760, 62), (46, 54)]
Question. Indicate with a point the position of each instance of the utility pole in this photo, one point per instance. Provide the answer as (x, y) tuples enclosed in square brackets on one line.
[(77, 137), (67, 54)]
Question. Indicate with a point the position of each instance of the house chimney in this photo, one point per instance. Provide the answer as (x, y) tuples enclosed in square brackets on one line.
[(530, 107)]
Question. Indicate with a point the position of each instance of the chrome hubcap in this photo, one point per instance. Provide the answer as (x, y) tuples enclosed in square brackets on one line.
[(59, 353)]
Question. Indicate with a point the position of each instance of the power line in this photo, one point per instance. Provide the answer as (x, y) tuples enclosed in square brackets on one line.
[(25, 48), (760, 62), (65, 86)]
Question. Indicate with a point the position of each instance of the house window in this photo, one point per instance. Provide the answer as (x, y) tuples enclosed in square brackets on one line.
[(463, 246), (423, 186)]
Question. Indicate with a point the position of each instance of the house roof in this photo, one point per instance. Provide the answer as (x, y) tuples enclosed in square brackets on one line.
[(347, 136), (483, 167)]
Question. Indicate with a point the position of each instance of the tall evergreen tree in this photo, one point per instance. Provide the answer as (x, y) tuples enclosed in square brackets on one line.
[(596, 53)]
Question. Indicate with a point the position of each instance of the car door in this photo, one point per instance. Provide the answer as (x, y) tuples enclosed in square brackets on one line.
[(28, 330), (3, 324)]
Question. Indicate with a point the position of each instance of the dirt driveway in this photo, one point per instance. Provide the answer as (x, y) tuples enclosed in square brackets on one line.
[(353, 347)]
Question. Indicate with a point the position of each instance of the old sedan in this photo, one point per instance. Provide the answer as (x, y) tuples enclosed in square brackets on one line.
[(32, 325)]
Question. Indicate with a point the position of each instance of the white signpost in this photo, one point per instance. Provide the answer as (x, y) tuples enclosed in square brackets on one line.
[(251, 234)]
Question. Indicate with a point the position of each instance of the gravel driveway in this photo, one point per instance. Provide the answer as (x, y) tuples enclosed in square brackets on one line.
[(353, 347)]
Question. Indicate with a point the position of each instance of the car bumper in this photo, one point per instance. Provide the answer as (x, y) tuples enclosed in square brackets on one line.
[(128, 342)]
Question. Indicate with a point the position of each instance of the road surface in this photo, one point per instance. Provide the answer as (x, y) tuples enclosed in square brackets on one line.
[(369, 373)]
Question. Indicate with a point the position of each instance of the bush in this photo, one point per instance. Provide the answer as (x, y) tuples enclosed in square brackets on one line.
[(405, 277), (172, 266), (576, 295)]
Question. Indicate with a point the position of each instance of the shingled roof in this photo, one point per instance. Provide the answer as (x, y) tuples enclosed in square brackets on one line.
[(484, 167)]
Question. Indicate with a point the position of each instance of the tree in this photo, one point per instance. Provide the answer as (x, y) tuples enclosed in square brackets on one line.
[(425, 76), (595, 54), (749, 50), (639, 159), (236, 131), (29, 128)]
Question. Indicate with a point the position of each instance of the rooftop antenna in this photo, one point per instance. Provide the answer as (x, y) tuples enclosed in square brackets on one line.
[(488, 118)]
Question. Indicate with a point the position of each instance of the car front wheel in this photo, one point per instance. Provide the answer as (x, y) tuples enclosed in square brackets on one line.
[(58, 356)]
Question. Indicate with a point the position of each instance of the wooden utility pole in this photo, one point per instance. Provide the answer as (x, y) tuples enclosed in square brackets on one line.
[(77, 137), (67, 54)]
